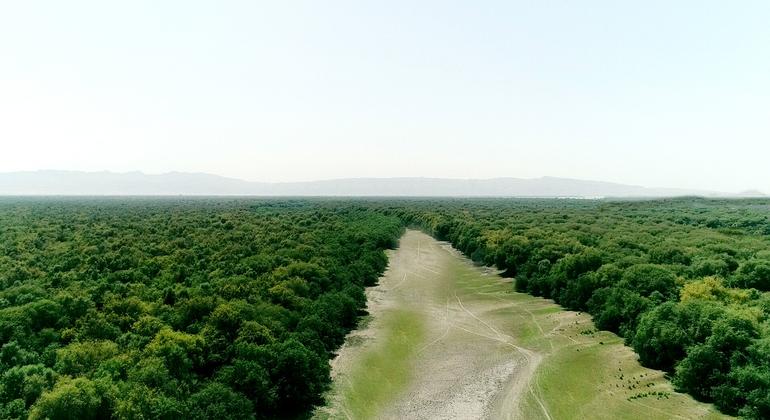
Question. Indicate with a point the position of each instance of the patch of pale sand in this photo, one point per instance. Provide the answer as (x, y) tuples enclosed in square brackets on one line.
[(452, 381)]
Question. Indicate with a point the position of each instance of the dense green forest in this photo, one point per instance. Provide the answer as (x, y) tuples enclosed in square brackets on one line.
[(137, 308), (684, 281), (231, 308)]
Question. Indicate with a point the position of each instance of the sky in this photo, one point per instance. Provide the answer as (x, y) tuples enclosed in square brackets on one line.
[(653, 93)]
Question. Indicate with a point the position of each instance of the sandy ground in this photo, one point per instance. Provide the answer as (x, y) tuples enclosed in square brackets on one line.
[(485, 350)]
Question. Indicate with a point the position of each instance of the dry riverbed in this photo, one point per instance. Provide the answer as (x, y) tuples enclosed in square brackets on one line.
[(446, 339)]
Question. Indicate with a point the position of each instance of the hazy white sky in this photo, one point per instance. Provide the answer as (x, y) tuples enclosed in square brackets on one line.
[(657, 93)]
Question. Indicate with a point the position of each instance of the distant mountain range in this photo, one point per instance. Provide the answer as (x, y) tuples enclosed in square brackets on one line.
[(180, 183)]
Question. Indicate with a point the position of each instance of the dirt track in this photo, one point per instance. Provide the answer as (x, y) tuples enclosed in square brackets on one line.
[(473, 348)]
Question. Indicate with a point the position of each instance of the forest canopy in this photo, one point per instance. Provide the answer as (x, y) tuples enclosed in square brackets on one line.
[(232, 307), (137, 308)]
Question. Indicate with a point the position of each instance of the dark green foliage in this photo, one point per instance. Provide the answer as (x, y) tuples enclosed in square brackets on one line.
[(217, 401), (754, 273), (26, 383), (629, 263), (647, 279), (79, 398), (665, 333), (174, 308), (179, 308)]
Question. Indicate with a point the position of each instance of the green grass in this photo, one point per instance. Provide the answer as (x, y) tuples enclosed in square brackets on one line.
[(601, 378), (580, 378), (384, 370)]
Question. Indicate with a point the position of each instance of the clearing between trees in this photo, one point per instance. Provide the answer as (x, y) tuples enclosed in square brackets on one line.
[(447, 339)]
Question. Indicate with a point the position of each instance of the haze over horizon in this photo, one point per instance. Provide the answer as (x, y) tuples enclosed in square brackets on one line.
[(312, 180), (652, 94), (135, 183)]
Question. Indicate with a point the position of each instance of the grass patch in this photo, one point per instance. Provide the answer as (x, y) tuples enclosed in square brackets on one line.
[(383, 371), (607, 381)]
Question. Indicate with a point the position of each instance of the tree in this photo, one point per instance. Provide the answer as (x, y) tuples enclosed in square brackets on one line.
[(707, 366), (702, 369), (253, 380), (216, 401), (648, 278), (754, 273), (300, 374), (25, 383), (660, 339), (134, 400), (79, 398), (82, 358), (616, 309), (180, 352)]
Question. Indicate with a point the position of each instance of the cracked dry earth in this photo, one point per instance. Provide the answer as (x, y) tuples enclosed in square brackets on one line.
[(449, 340)]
